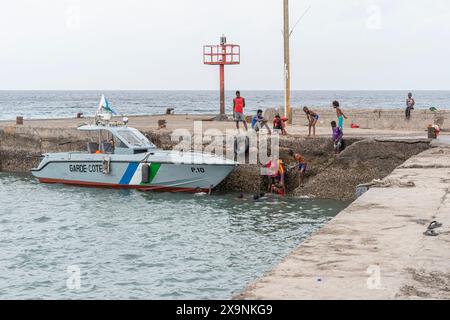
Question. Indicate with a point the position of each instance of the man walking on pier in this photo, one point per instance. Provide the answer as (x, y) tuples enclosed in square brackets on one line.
[(238, 110)]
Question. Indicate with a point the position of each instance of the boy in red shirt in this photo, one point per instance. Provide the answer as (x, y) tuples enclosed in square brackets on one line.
[(279, 124), (238, 110)]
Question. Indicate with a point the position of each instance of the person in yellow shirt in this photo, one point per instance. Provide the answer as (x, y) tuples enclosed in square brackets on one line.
[(276, 172)]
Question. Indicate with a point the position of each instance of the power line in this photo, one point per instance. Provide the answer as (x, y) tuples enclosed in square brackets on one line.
[(295, 25)]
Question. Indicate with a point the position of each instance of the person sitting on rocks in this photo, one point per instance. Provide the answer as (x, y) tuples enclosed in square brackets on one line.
[(258, 121), (300, 166), (337, 137), (279, 124)]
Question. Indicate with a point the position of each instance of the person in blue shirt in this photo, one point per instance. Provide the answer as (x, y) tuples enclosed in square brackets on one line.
[(258, 122)]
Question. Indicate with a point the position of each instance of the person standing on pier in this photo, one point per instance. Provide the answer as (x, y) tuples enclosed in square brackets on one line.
[(340, 114), (238, 110), (312, 120), (410, 103)]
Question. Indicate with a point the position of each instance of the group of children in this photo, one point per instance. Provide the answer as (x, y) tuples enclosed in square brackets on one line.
[(259, 122), (276, 168), (279, 123), (337, 128)]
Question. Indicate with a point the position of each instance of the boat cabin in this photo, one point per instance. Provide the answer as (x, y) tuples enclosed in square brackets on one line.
[(116, 140)]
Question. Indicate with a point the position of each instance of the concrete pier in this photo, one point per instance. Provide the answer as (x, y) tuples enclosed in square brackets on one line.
[(376, 249), (384, 119), (370, 153)]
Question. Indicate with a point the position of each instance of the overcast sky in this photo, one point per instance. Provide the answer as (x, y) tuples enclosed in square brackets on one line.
[(150, 44)]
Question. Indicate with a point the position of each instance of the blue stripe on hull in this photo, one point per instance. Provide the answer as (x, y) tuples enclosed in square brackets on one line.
[(132, 167)]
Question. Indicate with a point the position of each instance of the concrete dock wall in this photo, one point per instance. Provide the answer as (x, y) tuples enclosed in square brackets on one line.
[(376, 248), (363, 160)]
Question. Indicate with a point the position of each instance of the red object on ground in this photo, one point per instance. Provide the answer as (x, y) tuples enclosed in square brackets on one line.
[(435, 128), (354, 126)]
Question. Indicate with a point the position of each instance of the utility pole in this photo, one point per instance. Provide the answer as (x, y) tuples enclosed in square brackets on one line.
[(287, 65)]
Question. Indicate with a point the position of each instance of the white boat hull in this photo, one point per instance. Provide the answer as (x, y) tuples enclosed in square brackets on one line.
[(159, 175)]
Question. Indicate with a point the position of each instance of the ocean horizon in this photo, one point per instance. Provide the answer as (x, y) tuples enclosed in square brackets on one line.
[(41, 104)]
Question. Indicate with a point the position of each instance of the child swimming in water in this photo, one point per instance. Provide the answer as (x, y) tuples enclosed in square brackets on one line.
[(278, 189)]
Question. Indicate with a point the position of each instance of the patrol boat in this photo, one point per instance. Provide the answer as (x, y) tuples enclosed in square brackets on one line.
[(122, 157)]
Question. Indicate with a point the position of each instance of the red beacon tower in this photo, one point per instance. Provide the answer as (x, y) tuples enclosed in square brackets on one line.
[(221, 55)]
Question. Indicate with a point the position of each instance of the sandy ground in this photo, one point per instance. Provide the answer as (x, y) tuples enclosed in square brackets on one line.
[(376, 249)]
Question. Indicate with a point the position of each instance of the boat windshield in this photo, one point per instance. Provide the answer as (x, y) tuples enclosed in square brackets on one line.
[(133, 140)]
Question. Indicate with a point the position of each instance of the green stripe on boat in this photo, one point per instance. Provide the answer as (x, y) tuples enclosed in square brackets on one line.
[(152, 172)]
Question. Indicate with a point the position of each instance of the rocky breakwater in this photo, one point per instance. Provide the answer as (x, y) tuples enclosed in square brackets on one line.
[(361, 162), (329, 176)]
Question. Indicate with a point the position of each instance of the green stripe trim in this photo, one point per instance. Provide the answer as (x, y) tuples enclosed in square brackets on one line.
[(154, 168)]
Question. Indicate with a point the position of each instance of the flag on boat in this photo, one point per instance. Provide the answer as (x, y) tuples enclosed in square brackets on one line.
[(104, 106)]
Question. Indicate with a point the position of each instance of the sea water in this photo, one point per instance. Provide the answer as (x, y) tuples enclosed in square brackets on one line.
[(61, 104), (63, 242)]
